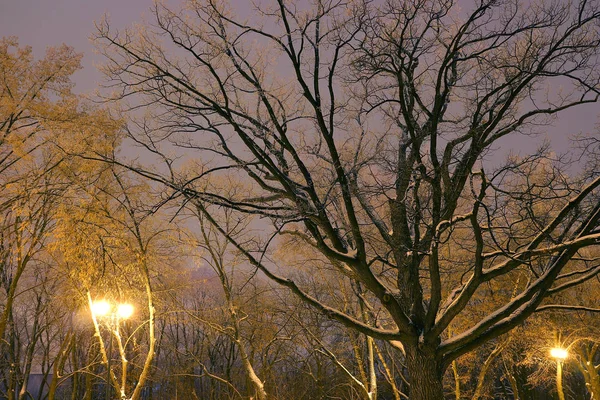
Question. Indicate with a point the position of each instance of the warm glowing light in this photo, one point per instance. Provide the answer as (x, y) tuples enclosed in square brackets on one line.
[(125, 310), (100, 308), (559, 353)]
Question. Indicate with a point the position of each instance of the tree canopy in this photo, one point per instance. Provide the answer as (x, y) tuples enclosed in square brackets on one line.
[(367, 132)]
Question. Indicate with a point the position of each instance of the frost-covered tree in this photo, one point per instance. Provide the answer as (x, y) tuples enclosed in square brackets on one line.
[(366, 132)]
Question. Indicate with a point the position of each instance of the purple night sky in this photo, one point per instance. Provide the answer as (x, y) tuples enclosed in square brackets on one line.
[(42, 23)]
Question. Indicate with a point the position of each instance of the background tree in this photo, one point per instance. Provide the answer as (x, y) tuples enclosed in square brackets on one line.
[(218, 257), (113, 249), (35, 98), (33, 95)]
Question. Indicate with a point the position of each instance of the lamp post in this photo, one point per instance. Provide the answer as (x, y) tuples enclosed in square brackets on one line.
[(560, 355), (111, 315)]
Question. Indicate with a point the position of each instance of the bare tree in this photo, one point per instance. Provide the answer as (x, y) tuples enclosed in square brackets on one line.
[(217, 258), (366, 131), (110, 246)]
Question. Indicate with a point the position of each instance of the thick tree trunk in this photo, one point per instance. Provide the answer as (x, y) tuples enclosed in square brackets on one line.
[(425, 375)]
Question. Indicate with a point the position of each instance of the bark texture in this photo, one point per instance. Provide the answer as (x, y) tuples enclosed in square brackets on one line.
[(425, 375)]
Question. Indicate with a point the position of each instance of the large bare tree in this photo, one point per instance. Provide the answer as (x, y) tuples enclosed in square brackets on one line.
[(368, 131)]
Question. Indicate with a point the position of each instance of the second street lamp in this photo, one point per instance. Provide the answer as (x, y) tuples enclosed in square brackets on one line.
[(124, 311)]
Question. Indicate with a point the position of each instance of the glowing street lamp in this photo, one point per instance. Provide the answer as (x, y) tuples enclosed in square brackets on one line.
[(100, 308), (560, 355), (111, 315), (124, 311)]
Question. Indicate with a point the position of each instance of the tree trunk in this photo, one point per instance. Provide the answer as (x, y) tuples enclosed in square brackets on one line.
[(592, 379), (425, 375), (593, 385), (586, 355), (88, 387), (456, 380), (485, 368), (389, 376)]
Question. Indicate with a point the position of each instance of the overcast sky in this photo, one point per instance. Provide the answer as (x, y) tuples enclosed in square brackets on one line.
[(42, 23)]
